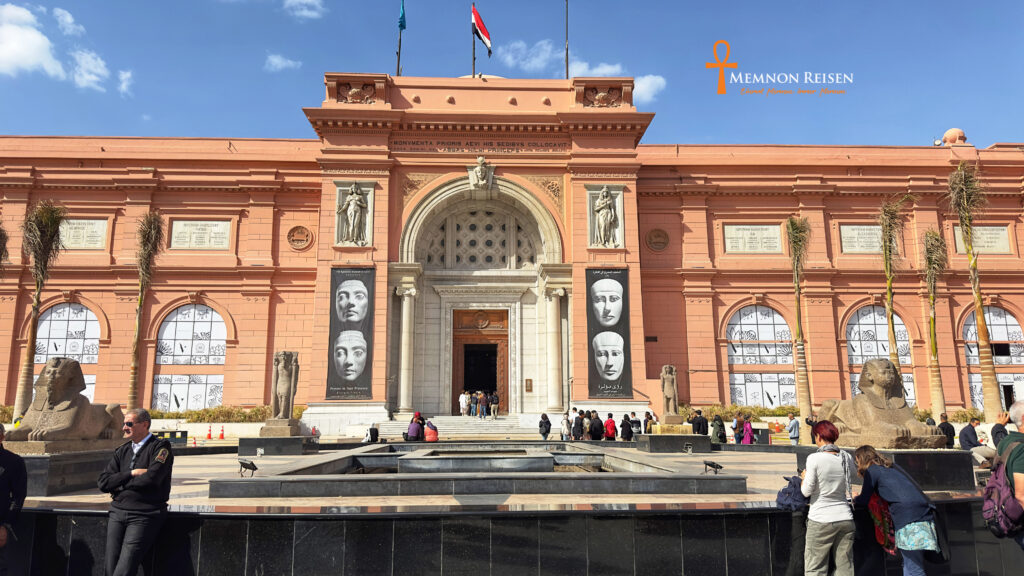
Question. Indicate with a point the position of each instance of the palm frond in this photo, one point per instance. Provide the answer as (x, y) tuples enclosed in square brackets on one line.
[(966, 195), (42, 237), (936, 257), (151, 237), (4, 255), (890, 220), (798, 234)]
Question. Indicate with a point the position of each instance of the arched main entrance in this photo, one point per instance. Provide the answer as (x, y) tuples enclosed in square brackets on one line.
[(472, 256)]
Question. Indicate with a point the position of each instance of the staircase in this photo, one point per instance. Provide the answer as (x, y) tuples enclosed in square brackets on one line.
[(466, 427)]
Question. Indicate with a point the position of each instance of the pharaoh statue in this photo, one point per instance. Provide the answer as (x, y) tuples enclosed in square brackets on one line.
[(669, 394), (353, 209), (605, 220), (59, 412), (879, 415), (285, 382)]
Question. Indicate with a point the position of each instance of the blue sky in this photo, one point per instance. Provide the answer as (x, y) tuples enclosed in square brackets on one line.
[(245, 68)]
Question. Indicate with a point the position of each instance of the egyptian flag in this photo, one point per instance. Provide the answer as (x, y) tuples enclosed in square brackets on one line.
[(480, 30)]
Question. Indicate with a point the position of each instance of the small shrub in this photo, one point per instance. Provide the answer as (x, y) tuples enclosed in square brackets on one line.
[(921, 414), (728, 412), (966, 414), (6, 413)]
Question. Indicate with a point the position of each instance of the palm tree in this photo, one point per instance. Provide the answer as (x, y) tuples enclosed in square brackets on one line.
[(798, 233), (966, 198), (43, 244), (151, 235), (891, 223), (935, 260)]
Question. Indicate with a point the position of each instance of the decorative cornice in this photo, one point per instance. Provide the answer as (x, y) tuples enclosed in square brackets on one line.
[(356, 171), (584, 174), (479, 290)]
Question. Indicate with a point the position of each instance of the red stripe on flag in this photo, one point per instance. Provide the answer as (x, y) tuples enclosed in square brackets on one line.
[(480, 29)]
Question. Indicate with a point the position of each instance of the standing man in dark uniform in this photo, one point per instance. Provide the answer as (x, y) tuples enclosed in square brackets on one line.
[(138, 479), (13, 486)]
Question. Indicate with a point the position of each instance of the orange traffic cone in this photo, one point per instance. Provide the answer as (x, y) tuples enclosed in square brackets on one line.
[(209, 432), (193, 441), (221, 432)]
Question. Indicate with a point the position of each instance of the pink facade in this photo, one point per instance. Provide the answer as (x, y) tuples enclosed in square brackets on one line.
[(255, 228)]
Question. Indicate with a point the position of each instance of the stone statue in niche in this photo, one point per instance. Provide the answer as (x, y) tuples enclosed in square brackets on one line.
[(60, 412), (353, 211), (879, 415), (606, 221), (481, 175), (669, 394), (285, 379)]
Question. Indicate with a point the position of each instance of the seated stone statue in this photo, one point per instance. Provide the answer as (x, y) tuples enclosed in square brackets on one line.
[(60, 412), (879, 415)]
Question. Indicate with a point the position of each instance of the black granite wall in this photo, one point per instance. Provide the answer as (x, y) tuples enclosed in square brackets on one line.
[(467, 540)]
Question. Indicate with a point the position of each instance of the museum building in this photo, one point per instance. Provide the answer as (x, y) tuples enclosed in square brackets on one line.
[(488, 234)]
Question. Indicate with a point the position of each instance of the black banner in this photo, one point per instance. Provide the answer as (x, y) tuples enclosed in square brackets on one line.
[(350, 354), (610, 375)]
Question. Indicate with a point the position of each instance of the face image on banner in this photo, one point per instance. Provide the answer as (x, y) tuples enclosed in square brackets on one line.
[(609, 371), (351, 346)]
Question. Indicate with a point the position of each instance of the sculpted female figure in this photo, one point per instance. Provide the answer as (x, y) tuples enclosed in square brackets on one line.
[(604, 216), (354, 208)]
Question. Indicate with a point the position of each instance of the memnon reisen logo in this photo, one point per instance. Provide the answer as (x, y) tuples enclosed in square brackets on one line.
[(805, 82)]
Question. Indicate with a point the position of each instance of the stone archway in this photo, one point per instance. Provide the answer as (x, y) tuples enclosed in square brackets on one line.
[(482, 250)]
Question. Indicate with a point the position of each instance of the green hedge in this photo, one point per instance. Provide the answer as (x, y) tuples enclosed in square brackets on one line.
[(728, 412), (223, 414)]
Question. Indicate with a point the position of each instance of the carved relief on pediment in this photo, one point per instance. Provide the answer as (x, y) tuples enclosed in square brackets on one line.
[(356, 93), (603, 97)]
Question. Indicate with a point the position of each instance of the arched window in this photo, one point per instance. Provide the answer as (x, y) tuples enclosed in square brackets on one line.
[(867, 337), (70, 330), (1007, 342), (759, 340), (480, 239), (191, 335)]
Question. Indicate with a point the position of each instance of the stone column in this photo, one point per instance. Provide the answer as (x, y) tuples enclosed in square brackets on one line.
[(554, 346), (406, 350)]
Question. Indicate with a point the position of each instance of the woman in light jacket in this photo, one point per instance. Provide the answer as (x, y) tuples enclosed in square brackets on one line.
[(827, 484), (566, 430)]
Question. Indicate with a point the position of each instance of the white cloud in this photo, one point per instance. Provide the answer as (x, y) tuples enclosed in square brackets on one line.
[(124, 82), (646, 87), (533, 59), (581, 68), (305, 9), (90, 70), (23, 48), (276, 63), (66, 23), (146, 117)]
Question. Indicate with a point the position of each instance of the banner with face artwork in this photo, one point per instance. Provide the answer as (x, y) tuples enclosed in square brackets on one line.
[(610, 375), (350, 353)]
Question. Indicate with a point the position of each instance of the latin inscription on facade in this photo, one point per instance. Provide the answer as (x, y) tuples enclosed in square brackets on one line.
[(84, 234), (477, 146), (860, 239), (200, 235), (752, 239), (987, 240)]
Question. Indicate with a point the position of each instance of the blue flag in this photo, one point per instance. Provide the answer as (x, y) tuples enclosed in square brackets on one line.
[(401, 17)]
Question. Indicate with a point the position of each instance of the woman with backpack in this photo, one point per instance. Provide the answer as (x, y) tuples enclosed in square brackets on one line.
[(896, 499), (718, 430), (544, 427)]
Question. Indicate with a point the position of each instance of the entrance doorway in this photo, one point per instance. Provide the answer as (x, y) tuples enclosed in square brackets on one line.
[(480, 355)]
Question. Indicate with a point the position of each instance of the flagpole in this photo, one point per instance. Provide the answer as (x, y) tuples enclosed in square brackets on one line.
[(472, 37), (566, 39), (398, 65)]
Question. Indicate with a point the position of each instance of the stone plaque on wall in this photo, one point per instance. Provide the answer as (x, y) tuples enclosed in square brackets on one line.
[(610, 374), (987, 240), (84, 234), (200, 234), (860, 239), (753, 239)]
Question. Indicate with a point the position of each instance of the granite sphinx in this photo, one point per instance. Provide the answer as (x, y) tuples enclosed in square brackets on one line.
[(879, 415), (60, 412)]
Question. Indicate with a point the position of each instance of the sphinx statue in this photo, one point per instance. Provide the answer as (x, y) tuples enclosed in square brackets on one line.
[(879, 415), (60, 412)]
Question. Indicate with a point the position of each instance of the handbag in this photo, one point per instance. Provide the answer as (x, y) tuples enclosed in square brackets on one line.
[(885, 532)]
